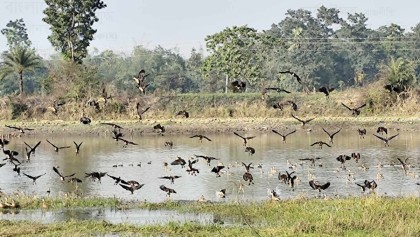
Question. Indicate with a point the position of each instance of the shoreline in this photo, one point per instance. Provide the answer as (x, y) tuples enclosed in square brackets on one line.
[(205, 125)]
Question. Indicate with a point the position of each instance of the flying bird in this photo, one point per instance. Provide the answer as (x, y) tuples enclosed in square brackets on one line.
[(62, 177), (200, 137), (331, 135), (34, 178), (244, 138), (167, 190), (141, 111), (77, 147), (382, 130), (320, 144), (283, 137), (386, 140), (315, 185), (20, 129), (303, 122), (207, 158), (293, 74), (326, 91), (217, 170), (354, 111), (171, 178), (56, 148)]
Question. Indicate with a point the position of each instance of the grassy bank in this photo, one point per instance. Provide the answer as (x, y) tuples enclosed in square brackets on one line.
[(367, 216), (379, 103)]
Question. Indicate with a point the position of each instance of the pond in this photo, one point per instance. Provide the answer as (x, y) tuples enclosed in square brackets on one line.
[(145, 163)]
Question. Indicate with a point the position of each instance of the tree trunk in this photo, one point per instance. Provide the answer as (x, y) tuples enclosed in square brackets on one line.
[(226, 84), (21, 84)]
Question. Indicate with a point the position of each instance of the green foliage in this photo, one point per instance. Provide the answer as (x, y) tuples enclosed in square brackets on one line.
[(17, 109), (238, 52), (17, 61), (400, 73), (71, 25), (16, 34)]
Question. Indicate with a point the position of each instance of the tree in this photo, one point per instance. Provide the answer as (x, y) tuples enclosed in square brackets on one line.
[(400, 73), (238, 52), (71, 24), (19, 60), (16, 35)]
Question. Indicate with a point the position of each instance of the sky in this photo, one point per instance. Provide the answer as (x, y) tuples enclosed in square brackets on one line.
[(183, 24)]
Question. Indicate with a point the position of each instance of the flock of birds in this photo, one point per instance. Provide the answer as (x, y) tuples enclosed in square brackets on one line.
[(288, 177)]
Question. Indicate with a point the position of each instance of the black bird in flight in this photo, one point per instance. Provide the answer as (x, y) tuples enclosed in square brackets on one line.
[(404, 165), (200, 137), (362, 132), (315, 185), (382, 130), (3, 142), (354, 111), (191, 170), (167, 190), (56, 148), (303, 122), (283, 137), (293, 74), (20, 129), (250, 150), (244, 138), (141, 111), (217, 170), (372, 185), (386, 140), (113, 125), (62, 177), (326, 91), (331, 135), (207, 158), (116, 179), (34, 178), (179, 161), (77, 147), (85, 120), (183, 113), (95, 175), (342, 159), (320, 144), (312, 160), (248, 167), (11, 156), (171, 178), (32, 149), (131, 185), (126, 142), (160, 128)]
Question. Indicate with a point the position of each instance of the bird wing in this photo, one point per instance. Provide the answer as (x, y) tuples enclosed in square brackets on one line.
[(31, 177), (297, 78), (52, 144), (249, 138), (315, 143), (326, 132), (346, 106), (290, 133), (238, 135), (336, 132), (13, 127), (313, 185), (298, 119), (113, 177), (35, 145), (363, 105), (208, 139), (325, 186), (63, 147), (70, 175), (146, 109), (393, 136), (274, 131), (307, 121), (326, 144), (56, 170), (195, 136), (383, 139), (129, 188)]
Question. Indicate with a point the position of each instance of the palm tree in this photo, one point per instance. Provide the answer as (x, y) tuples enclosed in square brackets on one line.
[(18, 60), (400, 72)]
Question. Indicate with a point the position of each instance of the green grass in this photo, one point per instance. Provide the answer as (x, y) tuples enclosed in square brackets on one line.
[(363, 216)]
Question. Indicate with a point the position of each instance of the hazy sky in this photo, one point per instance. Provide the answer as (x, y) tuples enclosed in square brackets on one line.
[(183, 24)]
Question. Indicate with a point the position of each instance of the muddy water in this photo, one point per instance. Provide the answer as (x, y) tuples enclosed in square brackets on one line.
[(145, 164)]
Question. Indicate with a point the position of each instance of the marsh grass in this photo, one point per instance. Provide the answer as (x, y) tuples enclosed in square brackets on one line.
[(362, 216)]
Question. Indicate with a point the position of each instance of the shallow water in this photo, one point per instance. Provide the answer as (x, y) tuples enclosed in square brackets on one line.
[(100, 153), (131, 216)]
